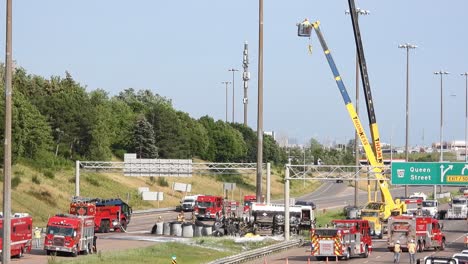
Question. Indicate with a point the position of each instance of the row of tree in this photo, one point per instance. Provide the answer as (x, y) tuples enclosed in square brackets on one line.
[(58, 116)]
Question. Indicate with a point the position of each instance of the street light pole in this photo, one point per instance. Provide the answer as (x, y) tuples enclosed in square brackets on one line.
[(407, 46), (356, 135), (226, 83), (441, 159), (466, 111), (233, 101)]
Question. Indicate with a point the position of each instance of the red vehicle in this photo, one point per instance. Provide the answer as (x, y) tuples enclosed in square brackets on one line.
[(21, 235), (230, 208), (248, 200), (69, 233), (413, 206), (110, 214), (425, 230), (208, 207), (345, 238)]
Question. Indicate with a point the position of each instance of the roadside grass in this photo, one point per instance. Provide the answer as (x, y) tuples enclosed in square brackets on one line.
[(44, 189), (325, 216), (199, 250)]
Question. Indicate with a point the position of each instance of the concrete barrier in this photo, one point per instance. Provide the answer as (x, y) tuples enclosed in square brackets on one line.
[(159, 228), (167, 229), (187, 230), (176, 229), (197, 231), (207, 231)]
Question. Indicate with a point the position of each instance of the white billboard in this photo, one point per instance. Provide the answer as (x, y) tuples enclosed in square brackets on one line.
[(156, 167)]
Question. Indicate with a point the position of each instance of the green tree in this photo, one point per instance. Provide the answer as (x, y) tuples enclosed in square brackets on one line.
[(143, 140)]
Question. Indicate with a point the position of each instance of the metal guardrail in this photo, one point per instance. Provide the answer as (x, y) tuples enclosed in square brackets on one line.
[(257, 253), (149, 211)]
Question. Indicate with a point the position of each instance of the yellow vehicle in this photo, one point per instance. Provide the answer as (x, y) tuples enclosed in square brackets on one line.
[(377, 212)]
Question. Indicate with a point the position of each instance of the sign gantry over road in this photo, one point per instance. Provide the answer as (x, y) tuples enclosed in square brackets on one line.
[(430, 173)]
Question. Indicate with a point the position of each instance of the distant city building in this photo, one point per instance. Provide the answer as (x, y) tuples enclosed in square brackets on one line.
[(270, 133)]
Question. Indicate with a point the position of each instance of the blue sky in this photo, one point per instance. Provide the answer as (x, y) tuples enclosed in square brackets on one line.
[(183, 49)]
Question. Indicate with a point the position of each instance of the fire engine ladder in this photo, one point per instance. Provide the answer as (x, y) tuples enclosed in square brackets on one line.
[(366, 85), (305, 30)]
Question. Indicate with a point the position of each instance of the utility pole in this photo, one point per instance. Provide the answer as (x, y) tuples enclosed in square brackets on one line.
[(6, 254), (407, 46), (226, 83), (233, 101), (466, 112), (246, 78), (260, 106), (441, 157)]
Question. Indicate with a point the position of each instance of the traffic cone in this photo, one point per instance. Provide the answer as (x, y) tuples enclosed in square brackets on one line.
[(264, 260), (308, 260), (287, 261)]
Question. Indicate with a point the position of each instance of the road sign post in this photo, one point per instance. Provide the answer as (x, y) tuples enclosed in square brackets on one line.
[(429, 173)]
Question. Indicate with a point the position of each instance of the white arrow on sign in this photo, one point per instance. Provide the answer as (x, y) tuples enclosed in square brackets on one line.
[(443, 172), (464, 168)]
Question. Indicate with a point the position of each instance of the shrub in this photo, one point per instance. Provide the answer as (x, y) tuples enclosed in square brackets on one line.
[(91, 180), (49, 174), (162, 182), (35, 179), (15, 182)]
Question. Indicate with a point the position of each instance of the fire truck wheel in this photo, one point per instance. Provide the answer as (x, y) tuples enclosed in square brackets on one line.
[(123, 225), (74, 252), (366, 252), (420, 247), (347, 256), (442, 245)]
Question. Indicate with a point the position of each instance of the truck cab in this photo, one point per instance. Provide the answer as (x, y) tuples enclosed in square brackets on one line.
[(208, 207), (188, 203), (343, 238), (73, 234), (458, 208), (430, 207)]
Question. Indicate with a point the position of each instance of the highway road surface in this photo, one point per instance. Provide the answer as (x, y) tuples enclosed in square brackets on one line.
[(329, 195), (454, 230)]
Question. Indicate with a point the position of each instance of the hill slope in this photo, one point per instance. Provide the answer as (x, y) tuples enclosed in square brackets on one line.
[(43, 194)]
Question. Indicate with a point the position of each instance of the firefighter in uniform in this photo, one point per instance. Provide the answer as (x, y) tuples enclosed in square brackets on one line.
[(412, 252), (396, 252), (37, 237), (181, 217)]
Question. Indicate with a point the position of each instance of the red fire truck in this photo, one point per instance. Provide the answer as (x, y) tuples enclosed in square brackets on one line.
[(69, 233), (413, 206), (424, 230), (230, 208), (21, 234), (109, 214), (208, 207), (343, 238), (248, 200)]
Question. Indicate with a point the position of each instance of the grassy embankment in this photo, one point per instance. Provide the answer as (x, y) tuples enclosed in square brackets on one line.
[(43, 192), (200, 250)]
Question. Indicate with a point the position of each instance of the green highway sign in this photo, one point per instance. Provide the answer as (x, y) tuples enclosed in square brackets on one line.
[(429, 173)]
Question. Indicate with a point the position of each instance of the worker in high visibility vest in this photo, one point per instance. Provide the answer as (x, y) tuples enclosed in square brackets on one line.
[(412, 252), (397, 252)]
